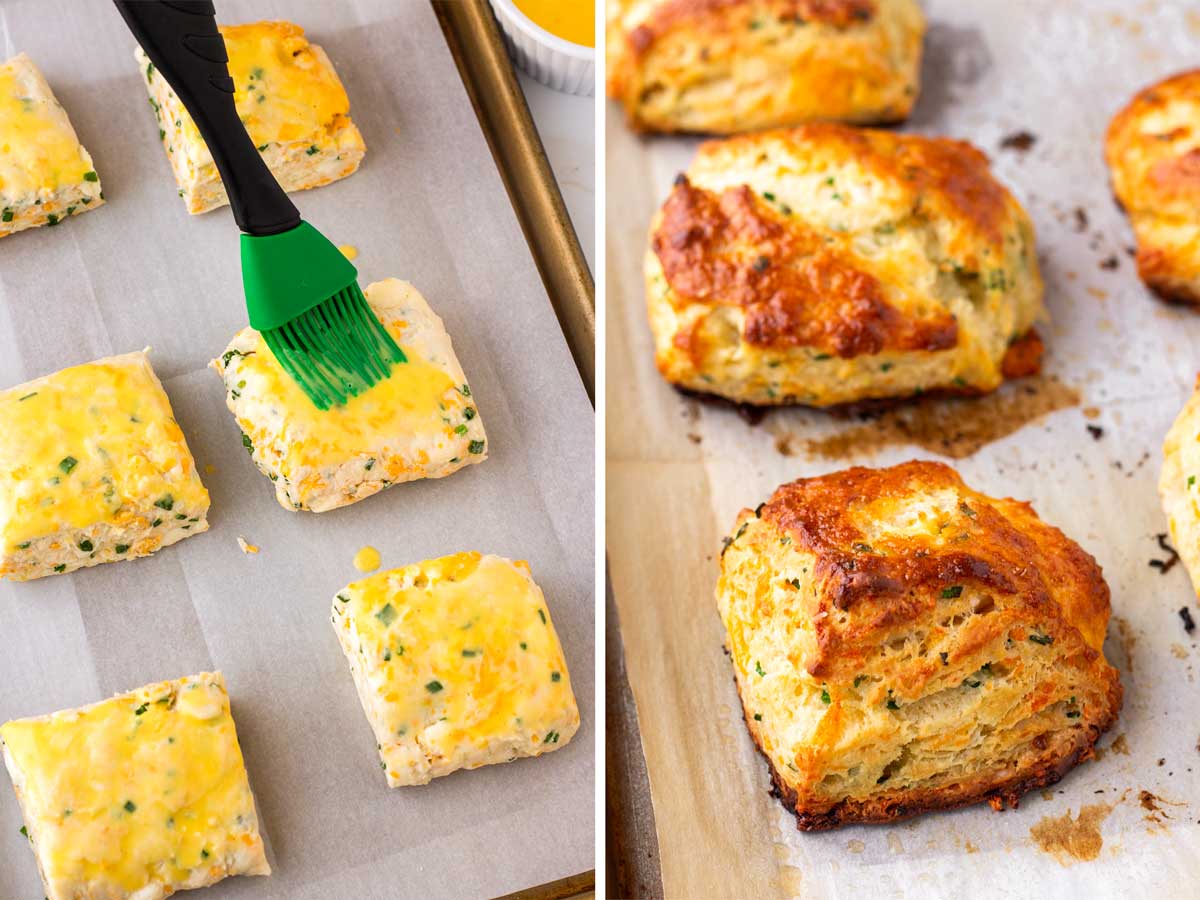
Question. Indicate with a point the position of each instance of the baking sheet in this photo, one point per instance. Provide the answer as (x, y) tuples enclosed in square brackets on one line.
[(427, 205), (678, 471)]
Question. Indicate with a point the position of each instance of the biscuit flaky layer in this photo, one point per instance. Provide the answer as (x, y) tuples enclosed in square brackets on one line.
[(1153, 152), (730, 66), (827, 264), (902, 643)]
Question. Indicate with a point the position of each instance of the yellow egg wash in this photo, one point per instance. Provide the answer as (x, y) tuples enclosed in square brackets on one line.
[(349, 251), (571, 20), (78, 446), (367, 559), (416, 398), (138, 789), (38, 150), (461, 640), (280, 91)]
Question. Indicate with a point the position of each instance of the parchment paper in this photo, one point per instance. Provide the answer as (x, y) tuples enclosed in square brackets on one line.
[(679, 471), (427, 205)]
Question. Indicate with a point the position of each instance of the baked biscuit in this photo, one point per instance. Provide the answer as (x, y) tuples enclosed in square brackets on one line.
[(45, 174), (421, 422), (289, 98), (728, 66), (93, 469), (902, 643), (1179, 485), (457, 664), (1153, 152), (827, 264), (138, 796)]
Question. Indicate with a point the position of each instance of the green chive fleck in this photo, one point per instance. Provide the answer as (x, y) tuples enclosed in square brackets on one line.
[(166, 501), (90, 176), (825, 698), (475, 447), (141, 709), (67, 463), (130, 806), (556, 676), (313, 150), (1044, 639), (953, 592), (542, 615), (86, 546), (387, 615), (434, 686), (122, 548), (759, 669)]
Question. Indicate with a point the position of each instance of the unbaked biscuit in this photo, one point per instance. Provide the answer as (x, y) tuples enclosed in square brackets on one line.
[(457, 664), (289, 98), (727, 66), (93, 469), (827, 264), (138, 796), (421, 422), (1153, 152), (45, 174), (902, 643)]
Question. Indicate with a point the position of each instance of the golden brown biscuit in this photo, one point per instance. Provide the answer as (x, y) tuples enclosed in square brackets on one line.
[(1153, 152), (727, 66), (827, 264), (902, 643)]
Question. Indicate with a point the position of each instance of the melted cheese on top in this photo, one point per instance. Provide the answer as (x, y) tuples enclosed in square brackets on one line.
[(463, 649), (283, 90), (416, 398), (136, 790), (80, 447), (38, 148)]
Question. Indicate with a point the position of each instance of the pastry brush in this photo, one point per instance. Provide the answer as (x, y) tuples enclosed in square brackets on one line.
[(302, 294)]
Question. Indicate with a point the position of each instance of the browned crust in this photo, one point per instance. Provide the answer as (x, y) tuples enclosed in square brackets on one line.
[(1023, 356), (895, 806), (1159, 271), (727, 14), (1000, 546), (952, 178), (795, 288)]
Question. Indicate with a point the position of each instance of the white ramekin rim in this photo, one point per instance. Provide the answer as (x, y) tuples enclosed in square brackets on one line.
[(542, 36)]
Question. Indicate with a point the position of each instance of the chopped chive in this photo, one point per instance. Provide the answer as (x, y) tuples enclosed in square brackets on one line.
[(313, 150), (90, 176), (469, 413), (67, 463), (953, 592), (758, 717), (434, 686), (7, 215), (24, 831), (141, 709), (52, 219), (794, 582), (24, 546), (542, 615), (470, 653), (121, 548), (130, 806), (825, 698), (86, 546), (247, 443), (465, 390), (387, 615), (166, 501), (461, 429), (156, 523), (26, 397), (61, 567), (759, 669), (556, 676), (475, 447), (1044, 639)]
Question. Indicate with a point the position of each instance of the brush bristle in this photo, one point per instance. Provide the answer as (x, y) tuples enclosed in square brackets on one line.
[(336, 350)]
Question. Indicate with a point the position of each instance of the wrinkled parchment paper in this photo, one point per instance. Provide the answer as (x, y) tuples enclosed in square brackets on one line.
[(679, 471), (427, 205)]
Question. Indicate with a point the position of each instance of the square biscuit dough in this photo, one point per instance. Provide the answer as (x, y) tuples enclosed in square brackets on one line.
[(93, 469), (45, 173), (457, 665), (421, 422), (137, 796), (289, 98)]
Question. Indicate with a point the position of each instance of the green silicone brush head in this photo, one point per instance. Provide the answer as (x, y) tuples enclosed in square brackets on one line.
[(303, 296)]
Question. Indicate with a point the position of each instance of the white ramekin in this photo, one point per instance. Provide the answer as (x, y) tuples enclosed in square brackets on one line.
[(556, 63)]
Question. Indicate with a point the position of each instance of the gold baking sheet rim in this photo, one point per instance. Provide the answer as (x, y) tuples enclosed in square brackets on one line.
[(478, 48)]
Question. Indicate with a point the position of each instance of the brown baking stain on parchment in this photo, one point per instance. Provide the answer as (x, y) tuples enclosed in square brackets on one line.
[(1155, 814), (955, 427), (1120, 745), (1071, 840), (1127, 641)]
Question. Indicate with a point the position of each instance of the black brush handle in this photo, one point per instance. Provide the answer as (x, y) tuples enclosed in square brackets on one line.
[(181, 38)]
